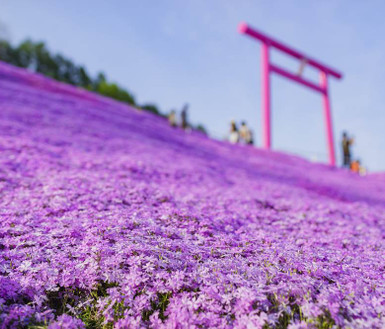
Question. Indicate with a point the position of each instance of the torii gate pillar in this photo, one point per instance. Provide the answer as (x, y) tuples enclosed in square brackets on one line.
[(266, 96), (268, 68), (328, 118)]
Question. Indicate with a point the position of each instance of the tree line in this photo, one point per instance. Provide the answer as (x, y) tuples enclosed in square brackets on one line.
[(36, 57)]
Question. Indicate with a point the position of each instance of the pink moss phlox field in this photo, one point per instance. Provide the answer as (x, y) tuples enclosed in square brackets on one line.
[(112, 219)]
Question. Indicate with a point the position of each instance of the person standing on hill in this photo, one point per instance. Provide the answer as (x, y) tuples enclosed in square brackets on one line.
[(234, 134), (246, 134), (184, 122), (346, 144), (172, 119)]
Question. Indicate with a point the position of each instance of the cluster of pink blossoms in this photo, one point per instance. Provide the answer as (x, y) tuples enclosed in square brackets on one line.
[(112, 219)]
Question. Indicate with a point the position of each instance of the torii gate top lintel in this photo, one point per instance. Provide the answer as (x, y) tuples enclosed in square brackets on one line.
[(268, 68), (252, 32)]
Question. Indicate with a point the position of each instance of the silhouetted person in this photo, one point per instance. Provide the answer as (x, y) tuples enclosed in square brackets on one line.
[(245, 133), (234, 134), (184, 122), (346, 144), (172, 119)]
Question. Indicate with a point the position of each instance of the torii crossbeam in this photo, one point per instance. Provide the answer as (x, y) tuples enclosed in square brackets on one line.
[(268, 67)]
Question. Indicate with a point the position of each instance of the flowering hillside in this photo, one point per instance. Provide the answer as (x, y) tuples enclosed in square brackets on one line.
[(112, 219)]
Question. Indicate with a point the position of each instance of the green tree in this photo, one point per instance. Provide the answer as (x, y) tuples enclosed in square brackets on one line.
[(201, 128), (7, 53), (25, 54), (151, 108), (114, 91)]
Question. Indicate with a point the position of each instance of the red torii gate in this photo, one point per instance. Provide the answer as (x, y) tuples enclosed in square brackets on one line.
[(267, 67)]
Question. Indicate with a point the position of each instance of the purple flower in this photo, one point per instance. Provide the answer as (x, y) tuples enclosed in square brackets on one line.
[(107, 211), (66, 322)]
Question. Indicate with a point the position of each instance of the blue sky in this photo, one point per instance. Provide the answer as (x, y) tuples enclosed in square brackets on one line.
[(171, 52)]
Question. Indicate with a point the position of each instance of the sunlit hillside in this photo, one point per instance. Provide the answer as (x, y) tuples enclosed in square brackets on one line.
[(110, 218)]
